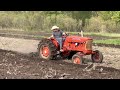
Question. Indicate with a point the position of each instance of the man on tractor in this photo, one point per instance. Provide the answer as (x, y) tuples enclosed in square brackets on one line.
[(57, 34), (73, 46)]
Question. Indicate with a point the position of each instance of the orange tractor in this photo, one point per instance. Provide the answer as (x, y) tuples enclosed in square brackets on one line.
[(74, 47)]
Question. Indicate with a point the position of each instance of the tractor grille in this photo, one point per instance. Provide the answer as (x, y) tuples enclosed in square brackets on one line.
[(89, 44)]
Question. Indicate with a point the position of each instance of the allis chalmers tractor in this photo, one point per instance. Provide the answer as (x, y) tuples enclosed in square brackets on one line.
[(74, 47)]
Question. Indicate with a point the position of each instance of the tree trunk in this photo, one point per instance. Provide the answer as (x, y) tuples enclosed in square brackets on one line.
[(55, 17), (83, 24)]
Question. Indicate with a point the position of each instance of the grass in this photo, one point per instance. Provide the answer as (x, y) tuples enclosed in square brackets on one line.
[(104, 34), (39, 37), (84, 33), (108, 41), (98, 34)]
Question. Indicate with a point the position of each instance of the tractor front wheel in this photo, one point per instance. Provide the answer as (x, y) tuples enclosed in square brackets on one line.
[(97, 57), (77, 59)]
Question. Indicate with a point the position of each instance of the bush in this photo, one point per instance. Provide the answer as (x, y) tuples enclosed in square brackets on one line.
[(5, 21), (97, 24), (66, 23), (63, 21), (40, 21), (94, 24)]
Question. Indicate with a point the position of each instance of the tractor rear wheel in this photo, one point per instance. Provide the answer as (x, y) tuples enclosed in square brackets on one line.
[(97, 57), (77, 59), (46, 49)]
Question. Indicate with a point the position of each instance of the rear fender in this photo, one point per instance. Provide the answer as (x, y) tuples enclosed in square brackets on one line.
[(54, 42), (93, 52)]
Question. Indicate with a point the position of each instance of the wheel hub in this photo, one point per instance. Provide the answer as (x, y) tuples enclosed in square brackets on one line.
[(76, 60), (45, 51), (97, 57)]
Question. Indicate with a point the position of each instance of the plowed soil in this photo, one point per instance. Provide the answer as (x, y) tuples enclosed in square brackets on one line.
[(19, 60), (20, 66)]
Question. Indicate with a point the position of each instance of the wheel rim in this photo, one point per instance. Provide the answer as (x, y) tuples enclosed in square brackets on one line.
[(45, 51), (76, 60), (96, 56)]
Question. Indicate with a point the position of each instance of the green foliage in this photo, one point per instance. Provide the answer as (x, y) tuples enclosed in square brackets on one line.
[(101, 34), (110, 15), (98, 24), (75, 21), (81, 15), (105, 15), (116, 16), (94, 24), (109, 41)]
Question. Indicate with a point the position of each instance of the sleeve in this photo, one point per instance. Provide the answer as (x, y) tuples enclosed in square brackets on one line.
[(53, 34), (61, 32)]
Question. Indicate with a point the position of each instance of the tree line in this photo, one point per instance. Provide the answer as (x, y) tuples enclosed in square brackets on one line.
[(71, 21)]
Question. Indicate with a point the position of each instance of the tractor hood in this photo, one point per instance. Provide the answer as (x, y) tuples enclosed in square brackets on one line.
[(77, 39)]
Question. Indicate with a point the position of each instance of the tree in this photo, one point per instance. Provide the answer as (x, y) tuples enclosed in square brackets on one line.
[(81, 15), (49, 13), (110, 15), (116, 16), (105, 15)]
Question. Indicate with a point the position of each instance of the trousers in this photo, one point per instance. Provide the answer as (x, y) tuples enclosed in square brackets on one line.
[(60, 42)]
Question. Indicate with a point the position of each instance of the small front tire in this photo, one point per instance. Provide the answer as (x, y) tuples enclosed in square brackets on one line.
[(97, 57), (77, 59)]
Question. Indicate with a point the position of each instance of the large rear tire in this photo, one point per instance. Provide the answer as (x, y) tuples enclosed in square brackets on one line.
[(46, 49)]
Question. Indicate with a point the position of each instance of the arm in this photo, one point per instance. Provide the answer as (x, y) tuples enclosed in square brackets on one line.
[(62, 32), (51, 36)]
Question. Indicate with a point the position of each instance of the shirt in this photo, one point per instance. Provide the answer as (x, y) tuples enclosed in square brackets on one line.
[(58, 34)]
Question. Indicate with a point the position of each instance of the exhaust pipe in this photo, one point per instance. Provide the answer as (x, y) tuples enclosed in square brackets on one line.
[(81, 33)]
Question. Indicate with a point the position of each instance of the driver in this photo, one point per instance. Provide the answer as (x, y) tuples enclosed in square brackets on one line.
[(57, 34)]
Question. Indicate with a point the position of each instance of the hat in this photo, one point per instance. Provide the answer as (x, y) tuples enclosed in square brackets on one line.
[(54, 27)]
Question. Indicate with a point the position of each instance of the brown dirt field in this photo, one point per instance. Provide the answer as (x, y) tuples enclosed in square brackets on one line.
[(20, 66), (24, 63)]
